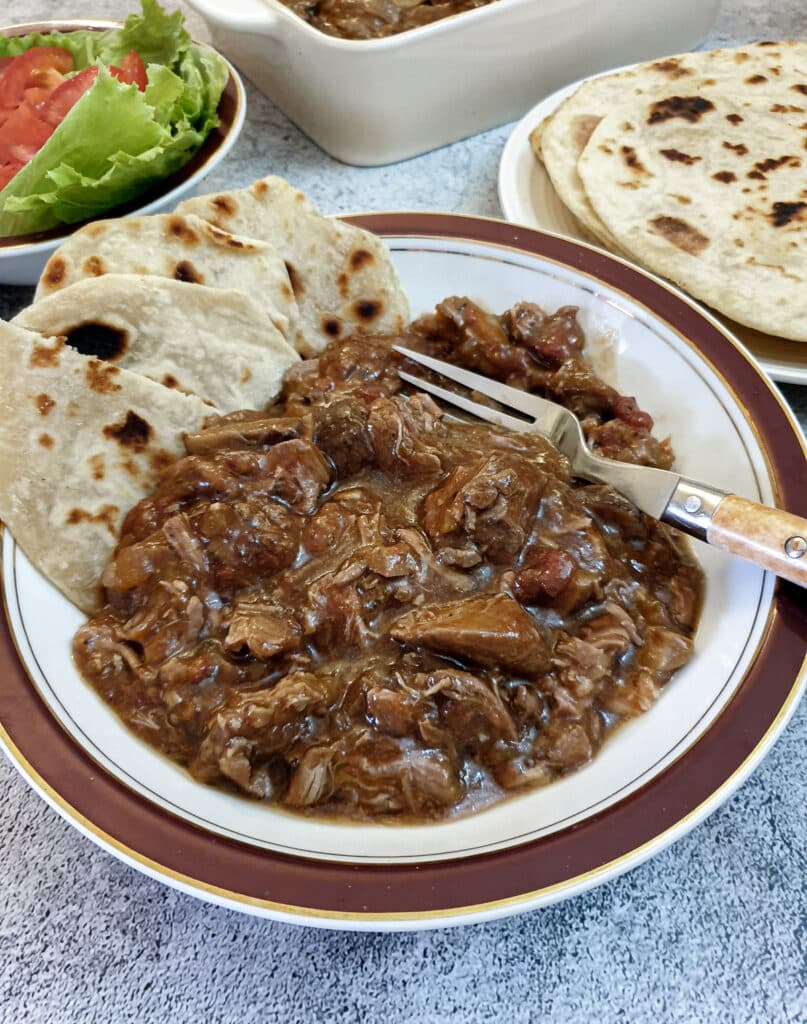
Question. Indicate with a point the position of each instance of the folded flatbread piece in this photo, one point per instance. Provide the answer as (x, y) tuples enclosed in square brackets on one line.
[(82, 442), (216, 343), (343, 277), (183, 248)]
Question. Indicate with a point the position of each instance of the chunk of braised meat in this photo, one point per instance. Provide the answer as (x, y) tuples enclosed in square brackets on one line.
[(299, 473), (238, 430), (617, 517), (251, 728), (262, 628), (552, 339), (381, 774), (490, 630), (245, 538), (405, 434), (341, 430), (471, 710), (617, 439), (466, 334), (484, 509)]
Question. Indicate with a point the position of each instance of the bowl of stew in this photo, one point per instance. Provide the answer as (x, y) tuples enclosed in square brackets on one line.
[(376, 81), (23, 256), (342, 745)]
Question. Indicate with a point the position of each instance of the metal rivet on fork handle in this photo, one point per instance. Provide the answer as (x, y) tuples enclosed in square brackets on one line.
[(795, 547)]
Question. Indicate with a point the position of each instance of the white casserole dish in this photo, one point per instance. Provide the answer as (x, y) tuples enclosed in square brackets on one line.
[(377, 101)]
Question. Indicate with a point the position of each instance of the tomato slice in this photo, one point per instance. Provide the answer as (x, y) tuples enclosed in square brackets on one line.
[(31, 68), (68, 93), (131, 71), (22, 135), (7, 172), (4, 63)]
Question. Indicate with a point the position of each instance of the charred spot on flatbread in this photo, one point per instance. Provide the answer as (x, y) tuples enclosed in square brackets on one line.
[(689, 108), (224, 205), (97, 467), (297, 285), (736, 147), (101, 377), (786, 108), (679, 233), (47, 356), (54, 273), (185, 271), (44, 404), (98, 339), (734, 119), (763, 167), (678, 157), (260, 188), (133, 432), (360, 258), (169, 381), (332, 326), (105, 516), (368, 309), (46, 440), (177, 227), (785, 213), (671, 66), (93, 266), (632, 160), (756, 80), (725, 176), (800, 87)]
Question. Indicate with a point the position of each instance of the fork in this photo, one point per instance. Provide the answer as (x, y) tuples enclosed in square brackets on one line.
[(770, 537)]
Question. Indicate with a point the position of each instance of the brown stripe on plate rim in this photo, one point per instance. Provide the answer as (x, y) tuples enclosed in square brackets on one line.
[(225, 869)]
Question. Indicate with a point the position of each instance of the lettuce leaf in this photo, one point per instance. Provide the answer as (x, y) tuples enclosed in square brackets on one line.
[(116, 142)]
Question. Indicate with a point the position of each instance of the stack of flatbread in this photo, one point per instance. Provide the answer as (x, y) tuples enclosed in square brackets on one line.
[(696, 167), (141, 329)]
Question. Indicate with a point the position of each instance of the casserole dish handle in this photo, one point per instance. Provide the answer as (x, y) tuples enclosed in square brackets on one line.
[(237, 15)]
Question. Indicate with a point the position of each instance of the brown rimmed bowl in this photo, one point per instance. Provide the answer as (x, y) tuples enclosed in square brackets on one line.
[(22, 257), (656, 778)]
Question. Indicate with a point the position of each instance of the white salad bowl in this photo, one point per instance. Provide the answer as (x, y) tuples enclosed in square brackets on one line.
[(376, 101), (23, 257)]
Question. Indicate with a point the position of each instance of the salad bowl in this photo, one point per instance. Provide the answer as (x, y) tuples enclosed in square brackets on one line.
[(23, 256)]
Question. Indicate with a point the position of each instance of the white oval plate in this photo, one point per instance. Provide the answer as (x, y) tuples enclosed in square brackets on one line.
[(253, 856)]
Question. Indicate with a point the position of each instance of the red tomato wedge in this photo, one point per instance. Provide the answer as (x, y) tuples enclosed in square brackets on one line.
[(22, 135), (34, 68), (66, 95), (131, 71)]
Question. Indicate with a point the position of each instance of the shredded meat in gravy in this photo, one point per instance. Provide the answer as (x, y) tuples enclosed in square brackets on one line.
[(374, 19), (352, 603)]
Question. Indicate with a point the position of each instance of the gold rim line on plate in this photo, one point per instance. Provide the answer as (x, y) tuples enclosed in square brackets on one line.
[(156, 868)]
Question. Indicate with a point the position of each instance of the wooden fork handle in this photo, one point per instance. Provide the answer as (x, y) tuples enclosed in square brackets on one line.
[(769, 537)]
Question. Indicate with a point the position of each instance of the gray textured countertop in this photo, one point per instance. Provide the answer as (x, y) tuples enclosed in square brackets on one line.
[(713, 929)]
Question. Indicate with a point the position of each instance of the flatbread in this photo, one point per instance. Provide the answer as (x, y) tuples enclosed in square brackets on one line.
[(566, 134), (183, 248), (709, 189), (343, 277), (215, 343), (82, 442)]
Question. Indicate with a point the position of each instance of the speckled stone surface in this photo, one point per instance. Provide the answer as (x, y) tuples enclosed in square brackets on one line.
[(712, 930)]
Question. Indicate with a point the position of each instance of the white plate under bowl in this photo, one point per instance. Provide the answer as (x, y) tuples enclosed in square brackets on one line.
[(527, 196), (694, 400)]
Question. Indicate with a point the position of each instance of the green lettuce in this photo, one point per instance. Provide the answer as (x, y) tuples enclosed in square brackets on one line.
[(116, 142)]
